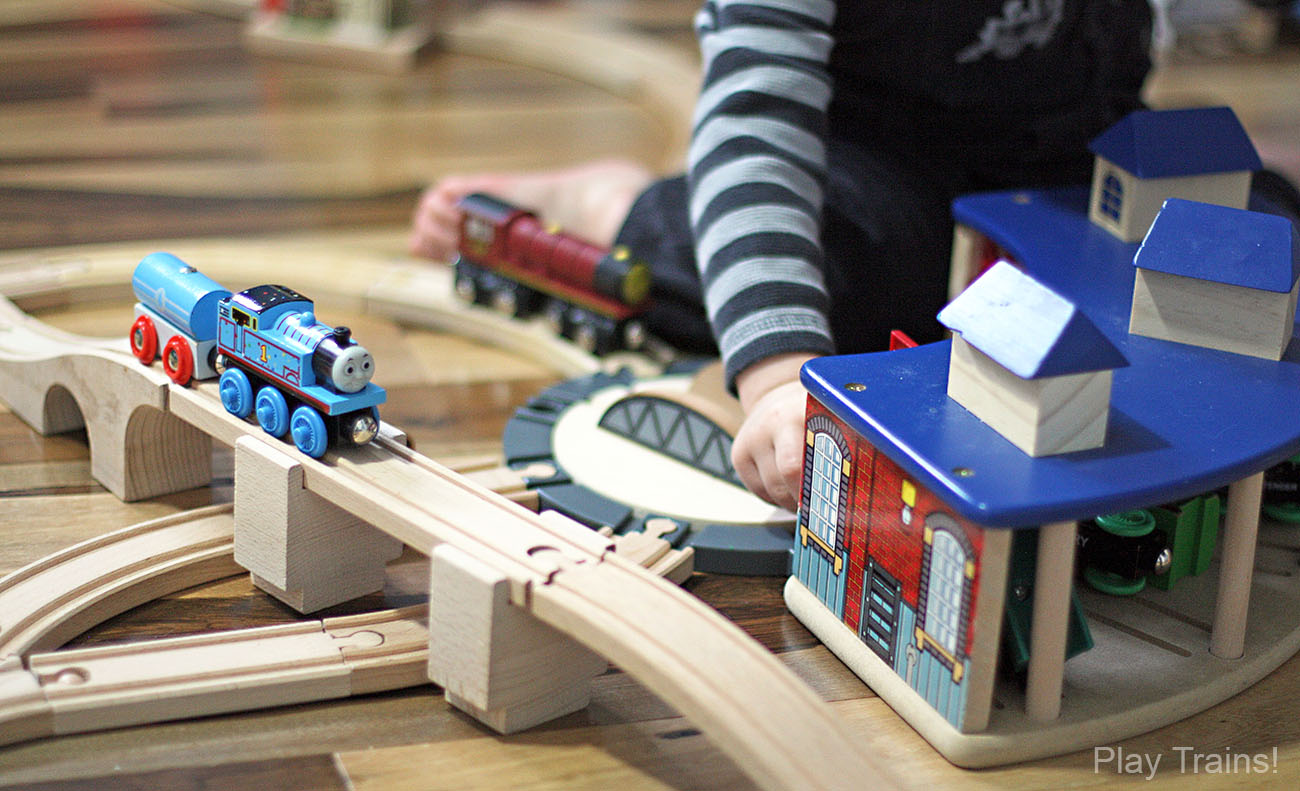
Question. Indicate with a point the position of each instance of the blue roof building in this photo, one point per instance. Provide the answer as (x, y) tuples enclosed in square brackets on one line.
[(1217, 277), (1027, 362), (1027, 328), (1201, 154)]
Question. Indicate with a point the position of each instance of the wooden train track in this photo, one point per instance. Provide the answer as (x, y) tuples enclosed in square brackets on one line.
[(365, 271), (57, 597), (45, 604), (553, 569)]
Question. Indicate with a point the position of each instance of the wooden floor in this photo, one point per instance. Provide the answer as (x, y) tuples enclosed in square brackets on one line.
[(148, 124)]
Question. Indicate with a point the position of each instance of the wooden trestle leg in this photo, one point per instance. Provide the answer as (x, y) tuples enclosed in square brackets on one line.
[(495, 661), (300, 548)]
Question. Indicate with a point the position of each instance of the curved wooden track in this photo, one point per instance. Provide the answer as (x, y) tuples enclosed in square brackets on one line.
[(47, 603), (355, 137), (559, 571)]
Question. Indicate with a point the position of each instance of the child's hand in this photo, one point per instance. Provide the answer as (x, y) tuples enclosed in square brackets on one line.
[(435, 226), (590, 200), (768, 450)]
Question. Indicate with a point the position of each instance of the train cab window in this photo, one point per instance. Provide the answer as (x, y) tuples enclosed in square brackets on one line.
[(243, 319)]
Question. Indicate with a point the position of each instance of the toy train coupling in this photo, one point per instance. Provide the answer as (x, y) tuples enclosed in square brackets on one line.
[(358, 428)]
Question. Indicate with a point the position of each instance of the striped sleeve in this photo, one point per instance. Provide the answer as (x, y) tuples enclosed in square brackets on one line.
[(756, 171)]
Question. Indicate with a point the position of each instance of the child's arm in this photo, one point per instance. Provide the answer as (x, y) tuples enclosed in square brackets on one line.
[(757, 169)]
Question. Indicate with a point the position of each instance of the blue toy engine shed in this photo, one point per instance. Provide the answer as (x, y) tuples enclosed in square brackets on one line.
[(926, 534)]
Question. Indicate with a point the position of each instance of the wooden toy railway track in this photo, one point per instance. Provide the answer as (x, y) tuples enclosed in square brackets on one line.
[(47, 603), (56, 598), (564, 585), (363, 270)]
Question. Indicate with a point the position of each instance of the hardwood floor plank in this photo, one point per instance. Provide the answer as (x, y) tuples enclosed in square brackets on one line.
[(306, 773)]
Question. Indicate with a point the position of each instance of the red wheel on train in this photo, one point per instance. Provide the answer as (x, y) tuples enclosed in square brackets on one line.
[(177, 360), (144, 340)]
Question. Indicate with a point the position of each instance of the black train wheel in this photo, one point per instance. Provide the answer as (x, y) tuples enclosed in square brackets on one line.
[(594, 333), (466, 283)]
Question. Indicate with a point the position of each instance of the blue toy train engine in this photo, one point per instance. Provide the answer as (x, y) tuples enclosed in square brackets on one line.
[(301, 377)]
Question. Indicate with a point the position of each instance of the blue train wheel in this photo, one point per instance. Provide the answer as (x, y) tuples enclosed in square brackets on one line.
[(272, 411), (308, 429), (236, 392)]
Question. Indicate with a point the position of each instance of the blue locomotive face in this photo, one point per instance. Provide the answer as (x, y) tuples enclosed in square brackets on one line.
[(352, 369)]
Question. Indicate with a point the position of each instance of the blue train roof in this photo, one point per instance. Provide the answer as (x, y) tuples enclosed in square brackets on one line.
[(1026, 327), (262, 298), (1166, 143), (1223, 245), (179, 293)]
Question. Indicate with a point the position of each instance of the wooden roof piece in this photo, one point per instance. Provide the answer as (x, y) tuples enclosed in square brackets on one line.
[(1028, 328), (1168, 143)]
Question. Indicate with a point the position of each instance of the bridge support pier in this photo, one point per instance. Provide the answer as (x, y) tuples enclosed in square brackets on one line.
[(495, 661), (137, 449), (300, 548)]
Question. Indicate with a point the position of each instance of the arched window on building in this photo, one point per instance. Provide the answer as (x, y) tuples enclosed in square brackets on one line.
[(823, 505), (946, 584), (947, 577), (825, 489)]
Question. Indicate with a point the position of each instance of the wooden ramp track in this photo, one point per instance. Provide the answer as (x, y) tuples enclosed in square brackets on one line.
[(363, 270), (557, 571)]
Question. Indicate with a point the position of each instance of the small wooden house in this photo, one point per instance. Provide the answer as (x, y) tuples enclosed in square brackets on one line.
[(1029, 363), (1200, 154), (1217, 277), (385, 35)]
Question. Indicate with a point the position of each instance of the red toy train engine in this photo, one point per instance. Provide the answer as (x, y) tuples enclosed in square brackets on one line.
[(511, 260)]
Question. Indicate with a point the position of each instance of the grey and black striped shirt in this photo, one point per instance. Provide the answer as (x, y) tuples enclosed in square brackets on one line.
[(756, 170)]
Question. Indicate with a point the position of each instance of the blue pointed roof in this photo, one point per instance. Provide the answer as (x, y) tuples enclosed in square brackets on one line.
[(1166, 143), (1223, 245), (1028, 328)]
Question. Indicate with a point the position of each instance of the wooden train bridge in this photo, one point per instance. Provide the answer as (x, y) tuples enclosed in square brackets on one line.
[(524, 608)]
